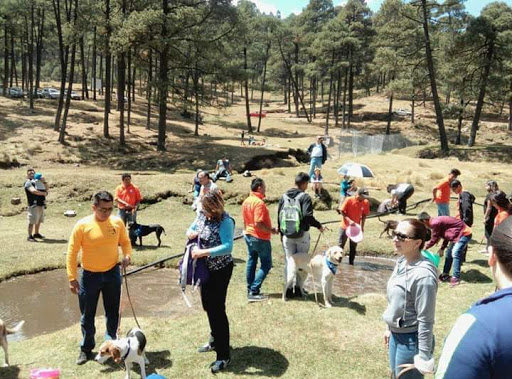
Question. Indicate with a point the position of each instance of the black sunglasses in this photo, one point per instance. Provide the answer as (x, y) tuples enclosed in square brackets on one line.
[(400, 236)]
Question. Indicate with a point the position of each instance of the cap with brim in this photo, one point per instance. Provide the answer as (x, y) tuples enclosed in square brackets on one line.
[(363, 192), (354, 232)]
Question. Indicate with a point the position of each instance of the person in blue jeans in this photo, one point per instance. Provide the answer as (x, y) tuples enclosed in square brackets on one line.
[(411, 304), (257, 234), (318, 155)]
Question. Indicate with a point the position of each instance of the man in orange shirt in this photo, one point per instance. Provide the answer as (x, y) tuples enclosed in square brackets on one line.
[(98, 236), (127, 197), (441, 193), (354, 211), (257, 233)]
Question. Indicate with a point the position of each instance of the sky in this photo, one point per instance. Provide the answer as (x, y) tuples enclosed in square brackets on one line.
[(295, 6)]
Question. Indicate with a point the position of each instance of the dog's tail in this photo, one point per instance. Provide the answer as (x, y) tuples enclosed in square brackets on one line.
[(16, 329), (381, 220)]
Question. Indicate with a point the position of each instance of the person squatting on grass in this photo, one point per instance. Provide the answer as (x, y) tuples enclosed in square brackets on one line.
[(400, 193), (215, 229), (489, 211), (295, 217), (98, 237), (127, 197), (318, 154), (503, 206), (452, 231), (480, 343), (441, 193), (411, 303), (36, 196), (258, 231), (353, 211)]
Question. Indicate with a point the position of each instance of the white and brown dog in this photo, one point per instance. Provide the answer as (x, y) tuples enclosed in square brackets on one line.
[(129, 350), (321, 267), (4, 331)]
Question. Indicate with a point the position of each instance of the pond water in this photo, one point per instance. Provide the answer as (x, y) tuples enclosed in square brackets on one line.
[(46, 304)]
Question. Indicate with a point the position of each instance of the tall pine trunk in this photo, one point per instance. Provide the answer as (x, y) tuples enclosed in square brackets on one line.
[(149, 88), (263, 83), (94, 60), (246, 87), (163, 85), (39, 47), (6, 61), (108, 77)]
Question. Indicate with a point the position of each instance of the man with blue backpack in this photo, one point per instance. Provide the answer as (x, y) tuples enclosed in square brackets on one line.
[(295, 217)]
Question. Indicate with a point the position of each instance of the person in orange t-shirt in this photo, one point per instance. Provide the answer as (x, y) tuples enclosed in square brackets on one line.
[(257, 233), (441, 193), (502, 204), (127, 197), (98, 237), (354, 211)]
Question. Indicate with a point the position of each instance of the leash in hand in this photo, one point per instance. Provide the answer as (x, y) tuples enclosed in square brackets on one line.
[(129, 298)]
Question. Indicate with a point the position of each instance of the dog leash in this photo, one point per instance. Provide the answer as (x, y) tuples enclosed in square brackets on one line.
[(129, 298)]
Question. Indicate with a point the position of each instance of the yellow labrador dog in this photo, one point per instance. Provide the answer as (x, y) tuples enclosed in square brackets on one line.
[(321, 267), (4, 331)]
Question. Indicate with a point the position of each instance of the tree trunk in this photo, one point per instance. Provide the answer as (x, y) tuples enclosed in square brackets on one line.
[(63, 58), (459, 122), (390, 114), (14, 74), (163, 85), (433, 84), (326, 129), (108, 76), (5, 82), (150, 79), (39, 47), (246, 86), (350, 89), (85, 92), (413, 104), (129, 91), (296, 81), (489, 55), (344, 118), (31, 57), (196, 96), (94, 59), (62, 133), (337, 101), (263, 83), (121, 87)]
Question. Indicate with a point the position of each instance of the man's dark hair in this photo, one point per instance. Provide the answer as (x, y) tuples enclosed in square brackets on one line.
[(455, 184), (455, 172), (102, 196), (501, 241), (205, 174), (256, 183), (423, 216), (301, 178), (126, 175), (30, 169)]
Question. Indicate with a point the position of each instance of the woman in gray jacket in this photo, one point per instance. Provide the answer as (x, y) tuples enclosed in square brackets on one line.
[(411, 296)]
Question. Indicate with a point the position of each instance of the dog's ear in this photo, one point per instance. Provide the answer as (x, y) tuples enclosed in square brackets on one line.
[(115, 353)]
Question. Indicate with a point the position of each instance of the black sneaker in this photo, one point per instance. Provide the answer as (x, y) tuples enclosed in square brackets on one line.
[(219, 365), (289, 293), (253, 298), (444, 277), (83, 357), (31, 239), (37, 235), (206, 348)]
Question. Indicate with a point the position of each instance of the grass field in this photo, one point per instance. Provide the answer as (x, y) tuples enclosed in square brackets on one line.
[(290, 340)]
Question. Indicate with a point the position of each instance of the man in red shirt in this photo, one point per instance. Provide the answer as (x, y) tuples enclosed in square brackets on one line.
[(354, 211), (257, 233), (127, 197), (441, 193)]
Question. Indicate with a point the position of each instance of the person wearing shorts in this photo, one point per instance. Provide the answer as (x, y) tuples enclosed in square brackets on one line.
[(35, 206)]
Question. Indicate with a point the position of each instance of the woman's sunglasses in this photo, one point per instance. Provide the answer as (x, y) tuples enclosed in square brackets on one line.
[(400, 236)]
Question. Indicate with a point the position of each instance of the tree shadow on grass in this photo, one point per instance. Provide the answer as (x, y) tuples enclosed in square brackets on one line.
[(157, 360), (480, 262), (475, 276), (258, 361)]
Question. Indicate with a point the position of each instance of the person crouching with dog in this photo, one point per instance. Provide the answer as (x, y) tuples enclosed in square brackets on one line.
[(98, 237), (127, 197), (411, 298), (214, 229)]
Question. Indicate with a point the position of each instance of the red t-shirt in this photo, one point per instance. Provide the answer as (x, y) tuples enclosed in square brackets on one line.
[(443, 192), (500, 217), (255, 211), (130, 194), (354, 209)]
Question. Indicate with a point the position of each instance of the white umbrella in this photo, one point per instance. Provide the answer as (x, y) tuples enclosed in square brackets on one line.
[(356, 170)]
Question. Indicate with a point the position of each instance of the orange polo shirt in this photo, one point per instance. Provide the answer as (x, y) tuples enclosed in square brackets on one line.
[(99, 243), (500, 217), (354, 209), (130, 194), (255, 211), (443, 192)]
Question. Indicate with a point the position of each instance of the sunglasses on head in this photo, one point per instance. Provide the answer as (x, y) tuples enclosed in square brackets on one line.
[(400, 236)]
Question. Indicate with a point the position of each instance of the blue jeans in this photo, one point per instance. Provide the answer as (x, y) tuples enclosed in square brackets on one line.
[(315, 162), (127, 216), (454, 254), (262, 249), (107, 283), (443, 209), (402, 349)]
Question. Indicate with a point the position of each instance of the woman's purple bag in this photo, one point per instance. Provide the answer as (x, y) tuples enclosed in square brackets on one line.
[(193, 272)]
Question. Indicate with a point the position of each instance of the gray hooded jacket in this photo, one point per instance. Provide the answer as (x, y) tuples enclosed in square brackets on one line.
[(411, 295)]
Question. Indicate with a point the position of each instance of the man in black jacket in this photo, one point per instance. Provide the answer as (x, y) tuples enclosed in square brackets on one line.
[(464, 207), (295, 217), (318, 155)]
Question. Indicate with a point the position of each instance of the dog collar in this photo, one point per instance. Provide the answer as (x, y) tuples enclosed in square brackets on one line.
[(127, 351), (333, 267)]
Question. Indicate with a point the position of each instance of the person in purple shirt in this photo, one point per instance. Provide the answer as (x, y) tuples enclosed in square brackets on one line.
[(453, 232)]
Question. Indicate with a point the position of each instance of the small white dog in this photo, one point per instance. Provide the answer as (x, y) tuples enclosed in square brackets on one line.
[(4, 331), (321, 267), (129, 349)]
